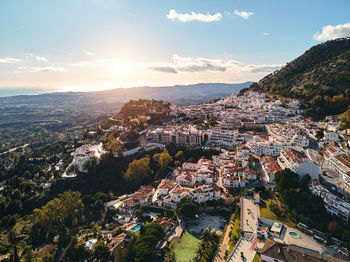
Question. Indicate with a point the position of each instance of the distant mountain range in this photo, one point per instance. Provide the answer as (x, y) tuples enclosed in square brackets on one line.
[(178, 94), (320, 78)]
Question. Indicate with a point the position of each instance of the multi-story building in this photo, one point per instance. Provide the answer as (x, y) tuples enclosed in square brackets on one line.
[(182, 136), (266, 148), (331, 136), (341, 165), (290, 158), (270, 168), (205, 193), (334, 205), (224, 138)]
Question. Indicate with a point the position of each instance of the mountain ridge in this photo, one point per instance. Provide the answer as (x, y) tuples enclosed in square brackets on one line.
[(320, 78)]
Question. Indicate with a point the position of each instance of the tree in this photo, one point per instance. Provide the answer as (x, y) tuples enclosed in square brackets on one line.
[(179, 156), (76, 251), (145, 244), (345, 119), (73, 168), (115, 146), (65, 210), (101, 252), (139, 171), (286, 179), (164, 159), (187, 208), (90, 164), (319, 134)]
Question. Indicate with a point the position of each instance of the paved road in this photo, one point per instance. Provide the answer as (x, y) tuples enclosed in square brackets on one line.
[(220, 252)]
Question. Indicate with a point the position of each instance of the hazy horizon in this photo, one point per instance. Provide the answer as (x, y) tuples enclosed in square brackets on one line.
[(102, 44), (15, 91)]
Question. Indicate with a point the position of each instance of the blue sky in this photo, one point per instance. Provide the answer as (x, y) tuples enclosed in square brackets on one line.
[(98, 44)]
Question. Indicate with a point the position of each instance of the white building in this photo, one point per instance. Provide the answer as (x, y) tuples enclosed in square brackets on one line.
[(330, 136), (341, 165), (334, 205), (270, 168), (205, 193), (266, 148), (182, 136), (224, 138), (289, 158)]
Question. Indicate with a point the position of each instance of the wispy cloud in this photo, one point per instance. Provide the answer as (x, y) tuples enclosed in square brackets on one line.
[(173, 15), (89, 53), (164, 69), (37, 57), (198, 65), (9, 60), (330, 32), (42, 59), (36, 69), (266, 34), (243, 14), (188, 64)]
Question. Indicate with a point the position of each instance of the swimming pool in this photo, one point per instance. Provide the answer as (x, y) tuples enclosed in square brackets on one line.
[(136, 227), (308, 249), (293, 234)]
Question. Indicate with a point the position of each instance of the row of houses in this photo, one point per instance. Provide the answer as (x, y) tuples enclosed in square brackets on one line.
[(169, 193), (334, 205), (338, 161)]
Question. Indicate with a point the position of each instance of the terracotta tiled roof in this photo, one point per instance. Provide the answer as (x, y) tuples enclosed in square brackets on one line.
[(289, 253)]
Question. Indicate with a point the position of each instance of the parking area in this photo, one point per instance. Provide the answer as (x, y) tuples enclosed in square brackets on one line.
[(215, 222), (250, 213)]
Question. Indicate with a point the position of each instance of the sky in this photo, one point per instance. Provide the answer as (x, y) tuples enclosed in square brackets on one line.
[(84, 45)]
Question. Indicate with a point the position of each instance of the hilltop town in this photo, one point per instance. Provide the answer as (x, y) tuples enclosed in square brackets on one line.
[(249, 172)]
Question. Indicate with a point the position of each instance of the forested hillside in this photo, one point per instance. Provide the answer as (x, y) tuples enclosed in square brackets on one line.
[(320, 78)]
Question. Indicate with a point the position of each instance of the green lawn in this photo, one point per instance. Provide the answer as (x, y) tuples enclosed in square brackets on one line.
[(187, 247), (267, 213)]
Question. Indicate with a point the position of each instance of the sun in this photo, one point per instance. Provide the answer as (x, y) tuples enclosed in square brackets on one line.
[(121, 68)]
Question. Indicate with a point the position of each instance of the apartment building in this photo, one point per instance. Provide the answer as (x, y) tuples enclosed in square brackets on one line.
[(290, 158), (179, 135), (334, 205)]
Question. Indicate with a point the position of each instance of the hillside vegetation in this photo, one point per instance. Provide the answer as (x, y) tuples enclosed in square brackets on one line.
[(320, 78)]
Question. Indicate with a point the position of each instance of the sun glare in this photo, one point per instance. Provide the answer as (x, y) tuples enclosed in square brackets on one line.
[(121, 68)]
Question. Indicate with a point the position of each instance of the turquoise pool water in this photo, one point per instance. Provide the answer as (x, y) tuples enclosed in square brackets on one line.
[(308, 249), (135, 228), (293, 234)]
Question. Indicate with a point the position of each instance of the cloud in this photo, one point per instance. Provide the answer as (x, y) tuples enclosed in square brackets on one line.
[(266, 34), (164, 69), (42, 59), (330, 32), (37, 57), (189, 64), (173, 15), (243, 14), (36, 69), (262, 68), (182, 64), (89, 53), (9, 60)]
